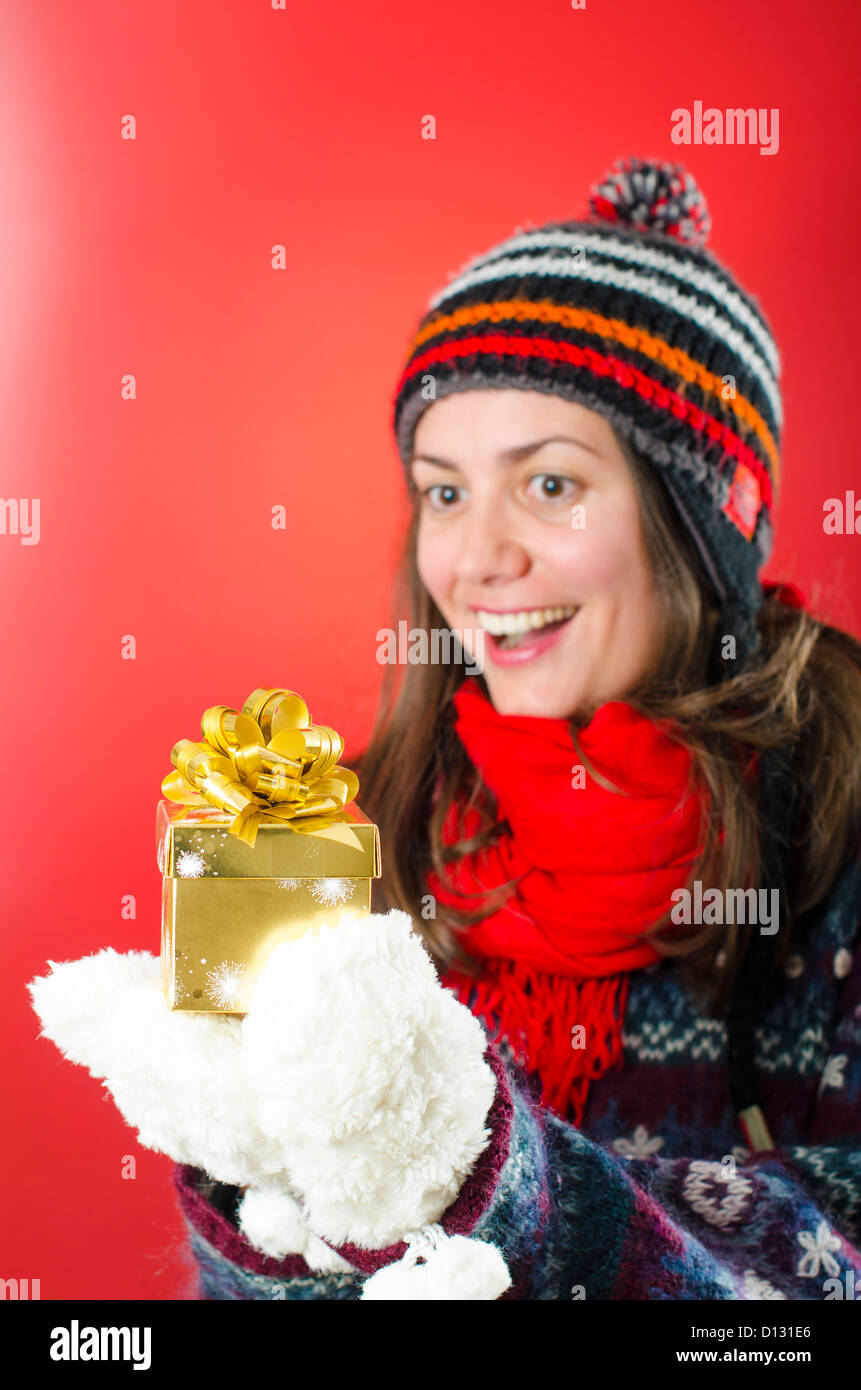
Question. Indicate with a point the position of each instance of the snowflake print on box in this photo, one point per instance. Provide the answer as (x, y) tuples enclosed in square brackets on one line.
[(190, 863), (226, 983), (332, 891), (289, 884)]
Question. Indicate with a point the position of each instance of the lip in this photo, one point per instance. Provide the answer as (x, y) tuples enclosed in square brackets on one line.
[(527, 608), (533, 644)]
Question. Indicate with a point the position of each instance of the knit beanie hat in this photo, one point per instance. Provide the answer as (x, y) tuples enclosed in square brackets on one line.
[(627, 313)]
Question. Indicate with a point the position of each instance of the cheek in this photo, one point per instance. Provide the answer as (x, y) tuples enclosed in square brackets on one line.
[(435, 559), (608, 557)]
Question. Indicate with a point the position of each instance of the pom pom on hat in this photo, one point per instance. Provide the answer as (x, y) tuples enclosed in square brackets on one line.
[(653, 197)]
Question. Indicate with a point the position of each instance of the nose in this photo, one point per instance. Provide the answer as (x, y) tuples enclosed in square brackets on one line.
[(491, 551)]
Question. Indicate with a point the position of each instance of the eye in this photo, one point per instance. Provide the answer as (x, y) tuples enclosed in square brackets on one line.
[(441, 496), (551, 487)]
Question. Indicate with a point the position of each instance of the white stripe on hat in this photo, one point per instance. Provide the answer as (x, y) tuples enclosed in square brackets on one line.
[(639, 253), (704, 315)]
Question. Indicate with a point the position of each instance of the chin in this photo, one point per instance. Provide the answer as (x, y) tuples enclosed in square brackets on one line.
[(520, 697)]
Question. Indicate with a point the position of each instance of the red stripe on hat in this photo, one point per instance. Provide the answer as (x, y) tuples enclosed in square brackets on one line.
[(626, 375)]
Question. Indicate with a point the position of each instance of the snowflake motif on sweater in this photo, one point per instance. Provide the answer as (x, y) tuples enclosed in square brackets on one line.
[(719, 1199), (640, 1145), (755, 1288), (819, 1249), (833, 1073)]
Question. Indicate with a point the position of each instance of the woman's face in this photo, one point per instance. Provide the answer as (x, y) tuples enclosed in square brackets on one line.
[(528, 506)]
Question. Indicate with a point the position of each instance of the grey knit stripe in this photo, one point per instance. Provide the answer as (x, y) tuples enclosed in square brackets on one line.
[(673, 454)]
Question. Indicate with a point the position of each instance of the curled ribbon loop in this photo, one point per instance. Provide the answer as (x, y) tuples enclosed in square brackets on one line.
[(267, 762)]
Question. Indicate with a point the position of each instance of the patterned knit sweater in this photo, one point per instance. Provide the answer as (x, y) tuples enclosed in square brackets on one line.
[(655, 1196)]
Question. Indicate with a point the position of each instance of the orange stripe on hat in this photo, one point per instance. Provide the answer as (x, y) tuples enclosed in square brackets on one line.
[(674, 359)]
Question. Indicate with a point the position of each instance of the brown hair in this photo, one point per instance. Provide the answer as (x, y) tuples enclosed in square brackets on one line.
[(803, 697)]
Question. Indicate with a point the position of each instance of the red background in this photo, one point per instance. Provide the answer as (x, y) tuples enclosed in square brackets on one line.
[(254, 127)]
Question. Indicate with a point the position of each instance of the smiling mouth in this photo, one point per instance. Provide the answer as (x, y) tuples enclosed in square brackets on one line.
[(510, 630)]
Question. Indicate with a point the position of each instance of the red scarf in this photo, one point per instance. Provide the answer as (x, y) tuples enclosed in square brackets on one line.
[(597, 869)]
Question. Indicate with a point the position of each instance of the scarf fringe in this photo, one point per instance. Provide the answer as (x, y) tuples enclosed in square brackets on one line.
[(536, 1012)]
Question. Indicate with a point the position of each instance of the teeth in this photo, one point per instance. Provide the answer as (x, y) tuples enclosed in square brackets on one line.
[(509, 624)]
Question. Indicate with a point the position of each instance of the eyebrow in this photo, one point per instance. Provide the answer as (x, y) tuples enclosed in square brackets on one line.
[(513, 455)]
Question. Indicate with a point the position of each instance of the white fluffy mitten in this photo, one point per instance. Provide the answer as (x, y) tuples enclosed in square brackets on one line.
[(350, 1101)]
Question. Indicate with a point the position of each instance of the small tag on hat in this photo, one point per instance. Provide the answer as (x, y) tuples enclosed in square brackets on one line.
[(744, 501)]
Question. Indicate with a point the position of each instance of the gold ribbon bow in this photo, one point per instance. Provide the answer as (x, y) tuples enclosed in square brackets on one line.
[(267, 762)]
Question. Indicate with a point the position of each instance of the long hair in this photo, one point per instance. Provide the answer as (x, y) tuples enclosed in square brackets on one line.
[(802, 696)]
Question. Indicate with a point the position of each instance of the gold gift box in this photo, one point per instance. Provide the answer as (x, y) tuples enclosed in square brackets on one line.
[(226, 905)]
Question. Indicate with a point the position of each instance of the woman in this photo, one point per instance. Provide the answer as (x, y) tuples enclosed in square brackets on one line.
[(630, 844)]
